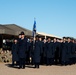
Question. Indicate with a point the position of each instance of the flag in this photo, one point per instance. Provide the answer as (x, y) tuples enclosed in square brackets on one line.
[(34, 29)]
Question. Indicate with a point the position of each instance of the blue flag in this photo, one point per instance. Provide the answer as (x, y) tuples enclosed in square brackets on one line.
[(34, 29)]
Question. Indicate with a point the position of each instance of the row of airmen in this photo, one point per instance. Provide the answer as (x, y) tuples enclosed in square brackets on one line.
[(45, 52)]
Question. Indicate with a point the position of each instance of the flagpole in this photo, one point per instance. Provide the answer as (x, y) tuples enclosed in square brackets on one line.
[(34, 33), (34, 29)]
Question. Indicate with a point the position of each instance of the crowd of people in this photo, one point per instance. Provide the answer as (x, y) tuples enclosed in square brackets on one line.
[(43, 52)]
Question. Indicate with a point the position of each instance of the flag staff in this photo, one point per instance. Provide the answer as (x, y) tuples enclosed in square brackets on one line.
[(34, 30)]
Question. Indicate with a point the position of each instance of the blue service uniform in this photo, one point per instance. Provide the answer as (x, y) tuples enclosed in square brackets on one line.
[(37, 53), (50, 53), (22, 52), (56, 49), (69, 52), (15, 53), (63, 53), (44, 53)]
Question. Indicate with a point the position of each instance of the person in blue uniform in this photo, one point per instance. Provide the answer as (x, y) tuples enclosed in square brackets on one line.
[(50, 52), (22, 50), (30, 50), (44, 52), (15, 52), (41, 47), (56, 49), (69, 50), (63, 52), (73, 59), (19, 38), (75, 52), (37, 52)]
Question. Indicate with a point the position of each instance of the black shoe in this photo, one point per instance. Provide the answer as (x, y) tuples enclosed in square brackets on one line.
[(19, 67), (37, 66), (23, 67), (12, 65)]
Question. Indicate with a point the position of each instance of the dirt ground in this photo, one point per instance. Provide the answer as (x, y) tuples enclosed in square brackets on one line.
[(5, 69)]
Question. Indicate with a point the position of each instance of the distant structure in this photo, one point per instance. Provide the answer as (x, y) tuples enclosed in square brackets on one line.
[(10, 31), (45, 35)]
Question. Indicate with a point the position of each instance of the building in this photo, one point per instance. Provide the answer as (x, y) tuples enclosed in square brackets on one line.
[(9, 31)]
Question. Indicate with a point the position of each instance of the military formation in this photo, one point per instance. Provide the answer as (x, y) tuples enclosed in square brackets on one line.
[(43, 52)]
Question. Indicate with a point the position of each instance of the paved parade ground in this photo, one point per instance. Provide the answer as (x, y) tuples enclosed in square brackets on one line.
[(43, 70)]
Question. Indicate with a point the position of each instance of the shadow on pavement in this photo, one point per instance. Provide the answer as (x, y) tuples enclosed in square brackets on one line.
[(11, 66), (16, 66)]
